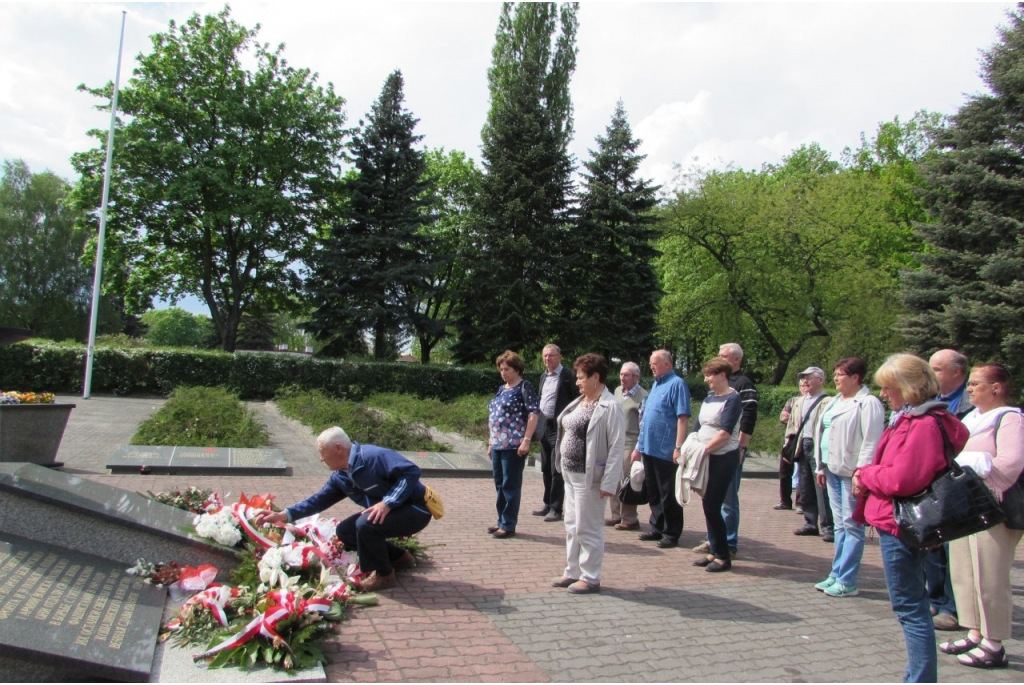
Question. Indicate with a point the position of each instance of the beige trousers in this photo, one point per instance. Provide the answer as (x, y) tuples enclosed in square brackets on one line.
[(980, 565)]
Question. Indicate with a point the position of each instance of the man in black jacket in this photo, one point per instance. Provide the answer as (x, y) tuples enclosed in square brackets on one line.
[(557, 388)]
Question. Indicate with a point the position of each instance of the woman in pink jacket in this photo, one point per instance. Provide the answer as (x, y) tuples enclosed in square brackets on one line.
[(980, 563), (909, 456)]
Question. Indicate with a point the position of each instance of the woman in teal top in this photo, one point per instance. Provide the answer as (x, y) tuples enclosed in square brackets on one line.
[(844, 440)]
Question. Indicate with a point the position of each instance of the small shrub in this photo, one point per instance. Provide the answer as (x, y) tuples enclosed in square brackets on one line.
[(466, 415), (319, 411), (203, 417)]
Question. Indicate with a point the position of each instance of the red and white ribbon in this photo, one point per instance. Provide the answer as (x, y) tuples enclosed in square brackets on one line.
[(241, 512), (283, 604), (214, 598)]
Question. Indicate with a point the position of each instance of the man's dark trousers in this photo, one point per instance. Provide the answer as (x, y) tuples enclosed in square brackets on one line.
[(371, 539), (813, 497), (660, 482), (786, 482), (554, 486)]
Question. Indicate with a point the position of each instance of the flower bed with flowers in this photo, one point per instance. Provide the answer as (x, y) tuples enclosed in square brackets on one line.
[(289, 589), (12, 397)]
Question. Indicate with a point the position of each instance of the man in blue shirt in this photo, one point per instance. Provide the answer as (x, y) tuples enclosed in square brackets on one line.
[(386, 484), (664, 417)]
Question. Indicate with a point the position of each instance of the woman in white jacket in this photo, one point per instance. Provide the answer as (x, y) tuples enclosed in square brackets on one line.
[(845, 438), (588, 453)]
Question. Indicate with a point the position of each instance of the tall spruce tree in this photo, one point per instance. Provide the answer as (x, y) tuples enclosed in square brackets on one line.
[(371, 271), (617, 311), (969, 292), (522, 209)]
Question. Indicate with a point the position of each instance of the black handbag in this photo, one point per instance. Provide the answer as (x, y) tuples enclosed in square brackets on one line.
[(791, 450), (627, 495), (1013, 507), (955, 505), (1013, 497)]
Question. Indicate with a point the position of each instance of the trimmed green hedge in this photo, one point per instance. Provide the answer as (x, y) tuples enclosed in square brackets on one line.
[(37, 366), (60, 367)]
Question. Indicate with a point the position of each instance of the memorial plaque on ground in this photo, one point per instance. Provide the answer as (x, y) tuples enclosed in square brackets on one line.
[(469, 462), (76, 611), (222, 460), (449, 464)]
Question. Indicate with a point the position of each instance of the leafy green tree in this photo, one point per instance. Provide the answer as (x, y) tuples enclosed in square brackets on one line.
[(454, 181), (175, 327), (522, 211), (43, 284), (618, 288), (969, 292), (376, 264), (220, 171), (774, 259)]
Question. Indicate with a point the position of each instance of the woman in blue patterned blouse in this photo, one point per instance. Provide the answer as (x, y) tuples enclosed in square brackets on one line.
[(512, 419)]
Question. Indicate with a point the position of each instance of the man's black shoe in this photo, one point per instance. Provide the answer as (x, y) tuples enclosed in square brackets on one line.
[(650, 536), (829, 536), (781, 507), (541, 512), (806, 530), (668, 543), (553, 516)]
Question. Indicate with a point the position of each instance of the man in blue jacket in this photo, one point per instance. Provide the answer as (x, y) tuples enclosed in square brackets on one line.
[(386, 484)]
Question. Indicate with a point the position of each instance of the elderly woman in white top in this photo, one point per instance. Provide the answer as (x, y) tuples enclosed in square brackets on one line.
[(845, 439), (588, 452), (980, 564)]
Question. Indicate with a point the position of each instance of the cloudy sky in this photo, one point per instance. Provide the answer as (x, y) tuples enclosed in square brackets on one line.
[(740, 83)]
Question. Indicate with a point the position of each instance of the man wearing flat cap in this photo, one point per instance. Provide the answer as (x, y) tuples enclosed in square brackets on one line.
[(808, 410)]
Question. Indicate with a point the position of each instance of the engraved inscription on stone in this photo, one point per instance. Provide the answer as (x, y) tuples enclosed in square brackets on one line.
[(55, 603), (256, 458), (200, 456)]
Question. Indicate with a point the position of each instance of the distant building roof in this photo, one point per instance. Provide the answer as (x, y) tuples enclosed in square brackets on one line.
[(409, 359)]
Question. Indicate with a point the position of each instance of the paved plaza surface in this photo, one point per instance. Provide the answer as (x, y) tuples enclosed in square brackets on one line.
[(482, 610)]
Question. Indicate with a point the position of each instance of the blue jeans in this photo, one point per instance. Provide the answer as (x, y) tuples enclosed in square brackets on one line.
[(731, 508), (849, 534), (508, 481), (904, 575), (939, 581)]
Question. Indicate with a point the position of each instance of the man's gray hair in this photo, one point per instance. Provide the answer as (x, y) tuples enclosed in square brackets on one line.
[(334, 435), (663, 355), (732, 349), (552, 346), (631, 368), (958, 360)]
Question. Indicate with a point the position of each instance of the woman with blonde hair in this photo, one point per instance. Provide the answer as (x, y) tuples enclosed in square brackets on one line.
[(980, 564), (911, 453)]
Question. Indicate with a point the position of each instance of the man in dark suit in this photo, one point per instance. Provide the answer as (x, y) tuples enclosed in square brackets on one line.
[(557, 387)]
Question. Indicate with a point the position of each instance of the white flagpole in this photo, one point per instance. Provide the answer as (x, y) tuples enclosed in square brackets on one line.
[(98, 278)]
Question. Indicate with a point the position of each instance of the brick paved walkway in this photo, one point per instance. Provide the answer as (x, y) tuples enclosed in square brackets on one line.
[(481, 609)]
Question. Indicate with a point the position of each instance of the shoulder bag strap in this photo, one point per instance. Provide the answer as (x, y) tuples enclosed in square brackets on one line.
[(947, 445), (810, 411)]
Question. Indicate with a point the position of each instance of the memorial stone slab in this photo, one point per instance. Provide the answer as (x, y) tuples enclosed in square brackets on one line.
[(206, 460), (80, 514), (75, 611), (448, 464)]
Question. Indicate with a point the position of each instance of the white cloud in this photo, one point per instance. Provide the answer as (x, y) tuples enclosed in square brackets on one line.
[(744, 83)]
